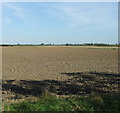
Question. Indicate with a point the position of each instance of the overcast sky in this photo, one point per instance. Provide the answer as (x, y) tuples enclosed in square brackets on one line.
[(64, 22)]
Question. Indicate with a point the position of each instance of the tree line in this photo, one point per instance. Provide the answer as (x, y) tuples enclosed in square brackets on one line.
[(67, 44)]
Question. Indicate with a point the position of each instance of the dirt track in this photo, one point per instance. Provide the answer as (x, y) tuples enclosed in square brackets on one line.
[(59, 66)]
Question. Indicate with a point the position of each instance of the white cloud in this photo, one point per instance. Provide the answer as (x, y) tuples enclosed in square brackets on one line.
[(19, 11), (70, 14), (73, 15), (76, 16), (16, 11), (15, 8)]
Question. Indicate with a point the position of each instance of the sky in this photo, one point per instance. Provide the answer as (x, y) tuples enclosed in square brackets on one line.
[(60, 22)]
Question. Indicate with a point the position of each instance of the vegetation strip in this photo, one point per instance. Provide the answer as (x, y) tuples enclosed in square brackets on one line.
[(106, 103)]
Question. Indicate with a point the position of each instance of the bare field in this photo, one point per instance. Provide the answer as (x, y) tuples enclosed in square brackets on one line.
[(28, 71)]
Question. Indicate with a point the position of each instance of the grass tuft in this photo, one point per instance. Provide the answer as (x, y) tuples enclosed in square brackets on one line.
[(107, 103)]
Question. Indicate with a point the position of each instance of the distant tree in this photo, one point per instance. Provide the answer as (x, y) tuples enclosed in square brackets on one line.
[(67, 44), (42, 44), (91, 43)]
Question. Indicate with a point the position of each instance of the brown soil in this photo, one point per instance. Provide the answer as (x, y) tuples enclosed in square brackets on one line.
[(29, 71)]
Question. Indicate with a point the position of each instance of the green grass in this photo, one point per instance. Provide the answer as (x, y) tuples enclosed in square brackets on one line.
[(106, 103)]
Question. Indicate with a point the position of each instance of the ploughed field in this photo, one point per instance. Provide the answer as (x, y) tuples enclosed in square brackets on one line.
[(30, 71)]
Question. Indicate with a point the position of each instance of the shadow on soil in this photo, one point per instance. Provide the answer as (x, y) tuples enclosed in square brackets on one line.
[(77, 84)]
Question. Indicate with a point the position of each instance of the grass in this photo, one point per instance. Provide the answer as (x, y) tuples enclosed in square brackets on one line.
[(48, 102)]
